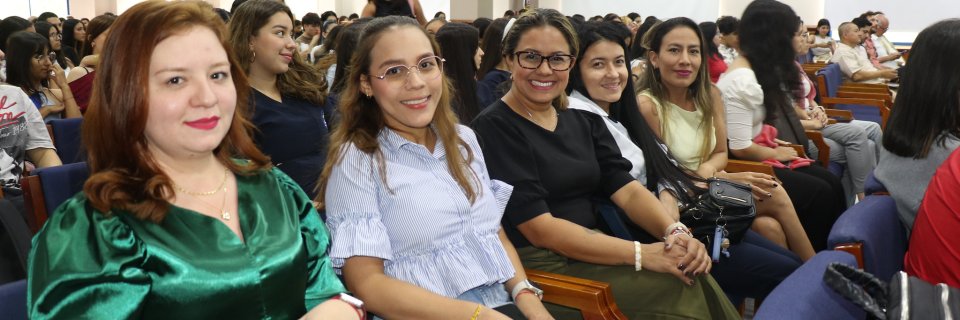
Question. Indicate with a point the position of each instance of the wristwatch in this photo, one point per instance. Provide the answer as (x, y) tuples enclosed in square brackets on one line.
[(526, 285)]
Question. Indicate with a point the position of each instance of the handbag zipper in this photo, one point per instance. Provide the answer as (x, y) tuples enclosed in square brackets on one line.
[(731, 198)]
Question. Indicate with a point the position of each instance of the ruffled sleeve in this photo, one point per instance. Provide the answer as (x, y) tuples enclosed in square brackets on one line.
[(352, 213), (741, 96), (322, 281), (85, 265)]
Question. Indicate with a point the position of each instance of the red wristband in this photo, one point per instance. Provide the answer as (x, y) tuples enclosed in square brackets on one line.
[(527, 291), (361, 313)]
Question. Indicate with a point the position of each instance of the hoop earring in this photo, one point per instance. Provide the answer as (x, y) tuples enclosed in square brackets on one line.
[(254, 57)]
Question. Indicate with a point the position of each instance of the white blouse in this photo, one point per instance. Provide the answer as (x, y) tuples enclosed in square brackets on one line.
[(743, 101)]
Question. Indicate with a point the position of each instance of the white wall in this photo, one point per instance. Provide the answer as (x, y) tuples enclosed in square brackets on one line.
[(907, 18), (697, 10), (810, 11)]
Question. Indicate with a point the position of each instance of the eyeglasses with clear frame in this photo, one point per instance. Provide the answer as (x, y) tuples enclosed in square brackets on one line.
[(428, 68), (52, 56), (556, 62)]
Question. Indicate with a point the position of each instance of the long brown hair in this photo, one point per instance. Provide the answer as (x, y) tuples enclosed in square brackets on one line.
[(124, 173), (361, 119), (97, 26), (536, 18), (302, 80), (699, 90)]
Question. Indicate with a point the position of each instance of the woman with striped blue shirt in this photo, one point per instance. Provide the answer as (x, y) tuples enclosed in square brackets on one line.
[(412, 211)]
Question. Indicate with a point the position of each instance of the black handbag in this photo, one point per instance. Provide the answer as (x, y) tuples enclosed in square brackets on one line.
[(721, 216), (905, 297)]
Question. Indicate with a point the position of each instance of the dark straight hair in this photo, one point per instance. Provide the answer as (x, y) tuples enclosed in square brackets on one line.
[(349, 37), (492, 41), (928, 102), (660, 164), (43, 29), (766, 41), (9, 26), (23, 47), (709, 30), (637, 49), (824, 22), (458, 45)]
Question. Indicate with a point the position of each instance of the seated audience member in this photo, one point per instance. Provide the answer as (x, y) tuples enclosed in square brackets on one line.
[(54, 40), (482, 24), (853, 145), (29, 142), (327, 63), (311, 33), (74, 33), (290, 96), (9, 26), (32, 67), (729, 28), (686, 113), (887, 55), (383, 8), (558, 160), (924, 125), (346, 45), (322, 49), (599, 84), (397, 144), (434, 25), (869, 27), (81, 78), (493, 68), (933, 254), (460, 48), (172, 223), (638, 53), (856, 67), (757, 102), (714, 59), (822, 44)]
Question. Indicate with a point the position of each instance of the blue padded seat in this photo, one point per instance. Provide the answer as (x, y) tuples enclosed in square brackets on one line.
[(61, 182), (13, 300), (874, 223), (804, 295)]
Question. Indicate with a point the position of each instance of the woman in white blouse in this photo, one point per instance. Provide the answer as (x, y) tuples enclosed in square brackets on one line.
[(754, 94)]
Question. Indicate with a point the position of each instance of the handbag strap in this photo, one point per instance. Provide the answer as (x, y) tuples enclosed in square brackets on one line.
[(850, 284)]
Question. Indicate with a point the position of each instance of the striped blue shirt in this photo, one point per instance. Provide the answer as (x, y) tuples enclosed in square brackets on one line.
[(420, 221)]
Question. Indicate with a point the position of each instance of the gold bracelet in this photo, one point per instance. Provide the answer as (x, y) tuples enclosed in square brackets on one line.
[(476, 313)]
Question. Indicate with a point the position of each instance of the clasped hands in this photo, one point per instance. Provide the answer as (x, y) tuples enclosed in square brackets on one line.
[(679, 255)]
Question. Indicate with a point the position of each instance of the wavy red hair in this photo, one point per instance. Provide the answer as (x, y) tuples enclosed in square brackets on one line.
[(124, 174)]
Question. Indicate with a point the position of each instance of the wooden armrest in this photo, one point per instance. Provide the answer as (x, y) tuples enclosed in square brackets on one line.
[(748, 166), (800, 150), (839, 114), (879, 104), (823, 157), (593, 298), (846, 93), (865, 85), (856, 249), (35, 210)]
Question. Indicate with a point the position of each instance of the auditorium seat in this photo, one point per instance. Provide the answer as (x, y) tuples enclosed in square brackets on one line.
[(871, 230), (804, 295)]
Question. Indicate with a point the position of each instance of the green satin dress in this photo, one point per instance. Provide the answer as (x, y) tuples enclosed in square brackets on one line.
[(87, 265)]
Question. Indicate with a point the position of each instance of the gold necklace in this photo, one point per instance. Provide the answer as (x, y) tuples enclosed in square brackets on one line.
[(208, 193), (530, 115), (224, 214)]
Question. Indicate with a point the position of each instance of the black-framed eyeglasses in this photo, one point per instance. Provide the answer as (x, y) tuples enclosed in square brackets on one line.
[(533, 60), (428, 68)]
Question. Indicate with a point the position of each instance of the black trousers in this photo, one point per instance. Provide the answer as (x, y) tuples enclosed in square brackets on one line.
[(818, 197)]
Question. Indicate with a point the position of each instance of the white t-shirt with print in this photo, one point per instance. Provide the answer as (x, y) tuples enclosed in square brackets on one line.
[(21, 129)]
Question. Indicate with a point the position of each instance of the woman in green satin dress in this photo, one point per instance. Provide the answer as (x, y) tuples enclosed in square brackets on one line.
[(169, 225)]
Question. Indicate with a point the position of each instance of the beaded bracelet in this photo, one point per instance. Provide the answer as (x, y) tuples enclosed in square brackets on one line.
[(637, 256)]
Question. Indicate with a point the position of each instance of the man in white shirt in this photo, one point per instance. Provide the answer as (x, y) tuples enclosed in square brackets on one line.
[(887, 54), (856, 67)]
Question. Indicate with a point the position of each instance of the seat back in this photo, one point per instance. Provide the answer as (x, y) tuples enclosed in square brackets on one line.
[(873, 226), (66, 138), (46, 188), (830, 78), (803, 295), (874, 186), (13, 300), (611, 217)]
